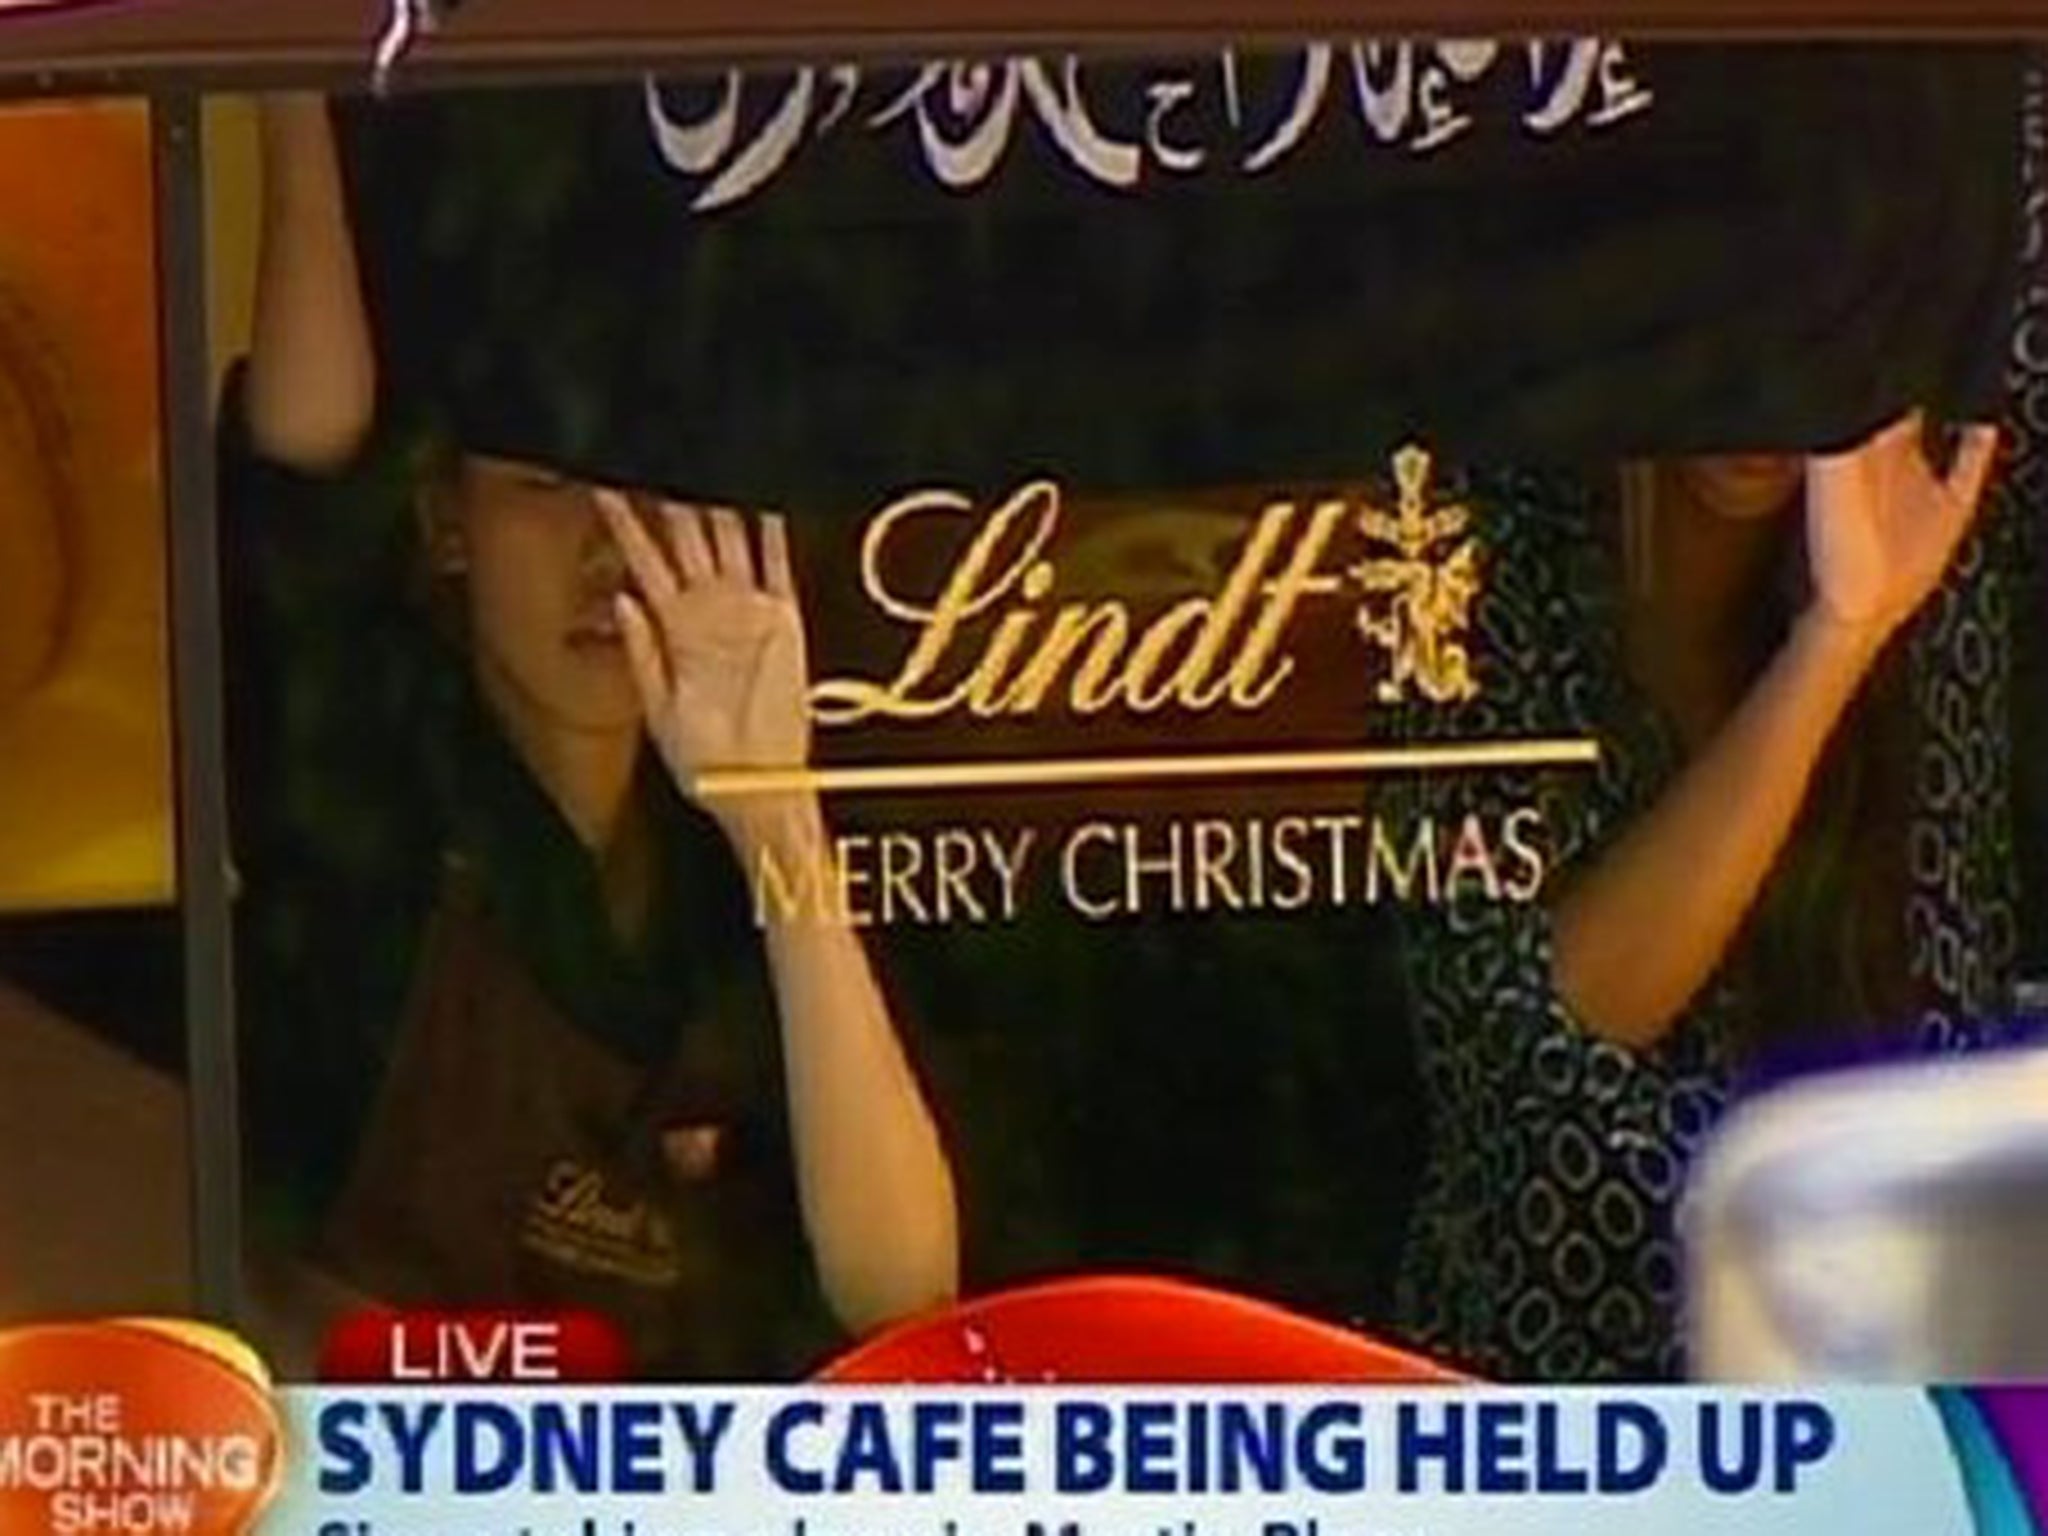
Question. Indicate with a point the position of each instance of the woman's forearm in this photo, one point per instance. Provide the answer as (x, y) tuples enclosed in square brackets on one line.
[(312, 373), (1641, 931), (872, 1175)]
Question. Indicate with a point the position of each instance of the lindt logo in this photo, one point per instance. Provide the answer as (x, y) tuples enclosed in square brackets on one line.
[(992, 643), (992, 638)]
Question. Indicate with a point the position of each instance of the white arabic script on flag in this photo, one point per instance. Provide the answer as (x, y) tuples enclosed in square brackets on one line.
[(965, 114)]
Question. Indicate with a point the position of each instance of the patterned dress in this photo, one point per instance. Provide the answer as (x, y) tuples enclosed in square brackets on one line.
[(1978, 660), (1542, 1246)]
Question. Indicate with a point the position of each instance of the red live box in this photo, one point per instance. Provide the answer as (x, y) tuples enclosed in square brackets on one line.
[(430, 1347)]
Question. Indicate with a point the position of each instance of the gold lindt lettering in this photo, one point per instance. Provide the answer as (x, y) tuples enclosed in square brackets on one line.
[(575, 1196), (1257, 674), (985, 644), (1098, 633), (1156, 645), (969, 592), (1194, 686)]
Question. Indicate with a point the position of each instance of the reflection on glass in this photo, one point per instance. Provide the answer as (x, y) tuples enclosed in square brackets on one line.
[(84, 730), (93, 1192)]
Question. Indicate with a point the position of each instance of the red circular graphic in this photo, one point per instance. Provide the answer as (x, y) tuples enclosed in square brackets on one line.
[(1114, 1330)]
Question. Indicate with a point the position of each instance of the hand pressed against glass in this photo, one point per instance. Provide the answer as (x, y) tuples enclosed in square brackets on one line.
[(715, 636), (1882, 525)]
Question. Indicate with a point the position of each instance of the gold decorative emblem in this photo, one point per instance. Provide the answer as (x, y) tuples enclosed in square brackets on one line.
[(1419, 588)]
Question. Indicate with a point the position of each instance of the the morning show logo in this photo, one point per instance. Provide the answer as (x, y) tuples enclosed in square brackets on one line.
[(133, 1429)]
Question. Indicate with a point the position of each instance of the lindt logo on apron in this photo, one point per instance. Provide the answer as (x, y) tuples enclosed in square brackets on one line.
[(577, 1221), (512, 1159)]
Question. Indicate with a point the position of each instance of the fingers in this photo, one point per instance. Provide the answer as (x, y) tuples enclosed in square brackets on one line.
[(1886, 439), (1909, 431), (704, 547), (651, 571), (687, 539), (643, 653), (729, 541), (1971, 471), (776, 575), (1837, 480), (1964, 481)]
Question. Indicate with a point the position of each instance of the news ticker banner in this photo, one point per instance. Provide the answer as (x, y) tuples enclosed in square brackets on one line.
[(1047, 1461), (148, 1429)]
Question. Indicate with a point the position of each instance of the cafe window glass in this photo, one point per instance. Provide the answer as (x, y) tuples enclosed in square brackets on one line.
[(852, 682)]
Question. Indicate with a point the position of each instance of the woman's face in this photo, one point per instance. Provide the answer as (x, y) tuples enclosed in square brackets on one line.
[(1743, 485), (542, 575)]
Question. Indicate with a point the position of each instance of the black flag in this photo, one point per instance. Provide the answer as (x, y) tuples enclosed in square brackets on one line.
[(808, 286)]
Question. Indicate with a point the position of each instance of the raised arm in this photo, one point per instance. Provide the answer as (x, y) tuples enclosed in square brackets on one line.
[(1641, 930), (311, 382), (718, 652)]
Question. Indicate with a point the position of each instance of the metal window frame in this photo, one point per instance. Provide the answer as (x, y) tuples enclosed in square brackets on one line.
[(90, 45), (205, 899)]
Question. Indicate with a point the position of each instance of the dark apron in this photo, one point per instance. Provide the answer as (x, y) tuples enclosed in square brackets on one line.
[(511, 1160)]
